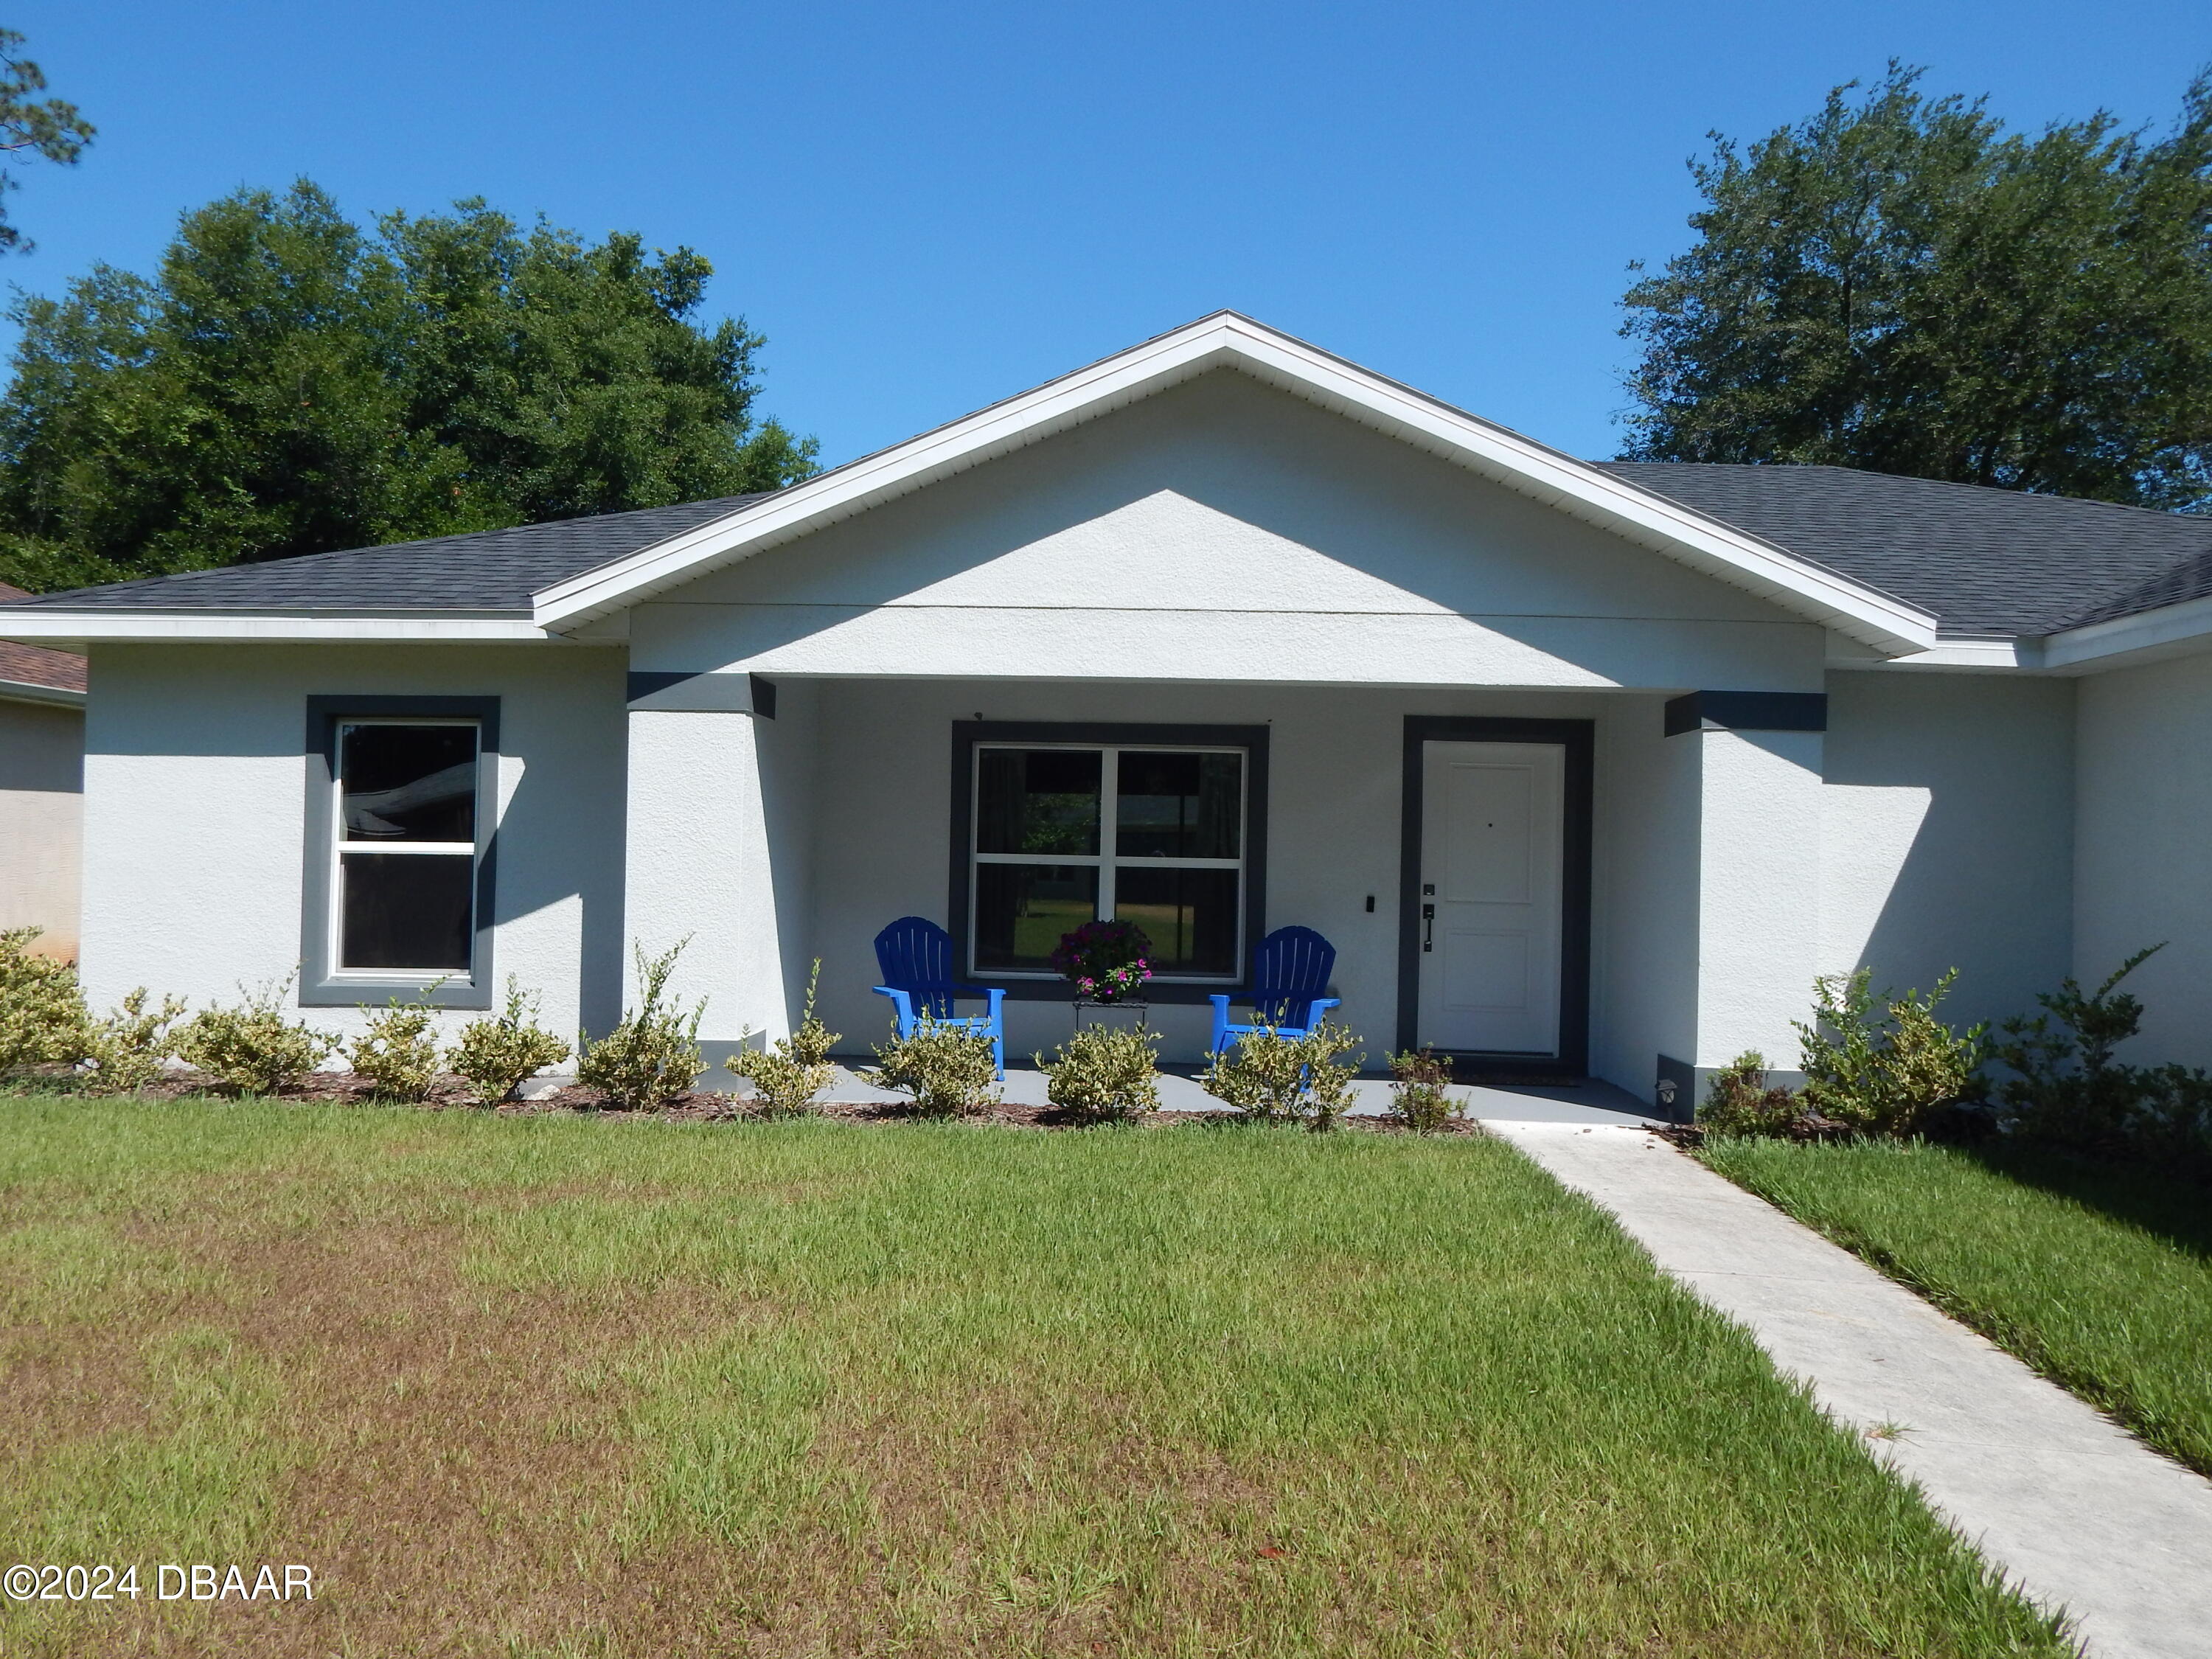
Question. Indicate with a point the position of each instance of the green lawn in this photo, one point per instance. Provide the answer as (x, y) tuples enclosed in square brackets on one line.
[(2099, 1276), (558, 1386)]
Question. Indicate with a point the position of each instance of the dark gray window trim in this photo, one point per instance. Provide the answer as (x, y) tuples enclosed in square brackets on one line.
[(1253, 739), (1579, 738), (1748, 711), (319, 988)]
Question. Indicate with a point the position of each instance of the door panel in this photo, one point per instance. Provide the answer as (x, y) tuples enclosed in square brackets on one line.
[(1493, 861)]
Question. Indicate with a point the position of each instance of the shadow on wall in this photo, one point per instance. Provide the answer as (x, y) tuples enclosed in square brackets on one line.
[(538, 819), (1949, 832)]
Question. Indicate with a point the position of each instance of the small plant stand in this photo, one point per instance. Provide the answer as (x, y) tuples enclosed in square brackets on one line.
[(1129, 1014)]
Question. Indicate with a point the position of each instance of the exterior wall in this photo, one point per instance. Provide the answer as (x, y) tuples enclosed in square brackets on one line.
[(195, 783), (1226, 531), (1947, 835), (41, 821), (2144, 867), (883, 817), (1759, 877), (719, 851)]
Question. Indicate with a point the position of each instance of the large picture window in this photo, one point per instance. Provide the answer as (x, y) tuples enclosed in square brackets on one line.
[(1067, 832), (400, 835), (404, 885)]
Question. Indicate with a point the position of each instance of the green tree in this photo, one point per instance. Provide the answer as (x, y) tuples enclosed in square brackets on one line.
[(290, 383), (31, 128), (1901, 284)]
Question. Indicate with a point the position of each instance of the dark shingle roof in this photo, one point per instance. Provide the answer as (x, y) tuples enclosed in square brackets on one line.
[(1984, 560), (490, 570)]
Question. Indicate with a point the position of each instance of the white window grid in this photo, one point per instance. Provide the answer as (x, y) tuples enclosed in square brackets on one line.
[(1105, 860), (340, 846)]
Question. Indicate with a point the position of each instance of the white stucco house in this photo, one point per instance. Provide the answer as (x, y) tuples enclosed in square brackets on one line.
[(1586, 770)]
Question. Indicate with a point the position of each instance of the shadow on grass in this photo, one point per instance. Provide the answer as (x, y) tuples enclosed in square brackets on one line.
[(2171, 1207)]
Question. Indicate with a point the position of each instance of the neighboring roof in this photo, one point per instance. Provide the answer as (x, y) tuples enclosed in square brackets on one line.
[(33, 666), (490, 570), (1984, 560)]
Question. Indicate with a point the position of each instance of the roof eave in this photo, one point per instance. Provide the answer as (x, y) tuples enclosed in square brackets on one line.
[(80, 627), (2170, 631), (1874, 618), (64, 696)]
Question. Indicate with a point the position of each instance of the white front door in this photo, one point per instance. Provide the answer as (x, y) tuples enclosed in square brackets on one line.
[(1493, 817)]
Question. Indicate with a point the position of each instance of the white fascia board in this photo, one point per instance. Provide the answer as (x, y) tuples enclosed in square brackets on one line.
[(1860, 613), (31, 691), (2172, 630), (1957, 653), (54, 625)]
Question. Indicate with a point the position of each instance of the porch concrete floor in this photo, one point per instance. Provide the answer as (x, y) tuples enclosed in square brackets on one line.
[(2078, 1513)]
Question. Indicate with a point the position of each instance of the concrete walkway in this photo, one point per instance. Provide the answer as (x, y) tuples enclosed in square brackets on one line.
[(2077, 1512)]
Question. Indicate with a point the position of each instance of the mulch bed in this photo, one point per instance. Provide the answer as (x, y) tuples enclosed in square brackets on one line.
[(449, 1093)]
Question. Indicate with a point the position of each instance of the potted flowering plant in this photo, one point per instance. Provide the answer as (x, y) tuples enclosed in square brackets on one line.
[(1105, 961)]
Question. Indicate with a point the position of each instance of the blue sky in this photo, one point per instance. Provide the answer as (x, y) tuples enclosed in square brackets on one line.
[(927, 207)]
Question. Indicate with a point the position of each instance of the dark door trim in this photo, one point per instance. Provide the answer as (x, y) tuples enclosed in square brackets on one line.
[(1578, 738)]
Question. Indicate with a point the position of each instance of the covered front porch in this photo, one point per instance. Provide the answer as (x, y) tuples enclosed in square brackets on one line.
[(1628, 906)]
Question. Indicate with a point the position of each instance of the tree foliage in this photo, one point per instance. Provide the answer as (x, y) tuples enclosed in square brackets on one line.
[(31, 128), (288, 382), (1901, 284)]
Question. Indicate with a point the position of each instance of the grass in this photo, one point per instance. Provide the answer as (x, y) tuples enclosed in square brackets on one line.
[(2099, 1276), (560, 1386)]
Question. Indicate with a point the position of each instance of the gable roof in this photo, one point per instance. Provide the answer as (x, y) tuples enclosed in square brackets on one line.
[(1984, 560), (1882, 559), (1228, 340), (583, 570)]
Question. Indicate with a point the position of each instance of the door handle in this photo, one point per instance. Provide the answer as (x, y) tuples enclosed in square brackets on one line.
[(1428, 927)]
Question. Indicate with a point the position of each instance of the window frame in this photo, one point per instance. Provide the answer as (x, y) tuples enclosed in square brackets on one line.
[(969, 737), (322, 982)]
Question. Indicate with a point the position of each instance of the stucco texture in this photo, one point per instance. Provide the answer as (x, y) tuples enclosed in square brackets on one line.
[(2142, 808), (195, 826)]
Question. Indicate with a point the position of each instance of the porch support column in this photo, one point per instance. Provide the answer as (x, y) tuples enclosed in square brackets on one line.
[(696, 858), (1759, 875)]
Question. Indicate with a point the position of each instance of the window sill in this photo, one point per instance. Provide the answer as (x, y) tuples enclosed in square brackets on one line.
[(363, 991)]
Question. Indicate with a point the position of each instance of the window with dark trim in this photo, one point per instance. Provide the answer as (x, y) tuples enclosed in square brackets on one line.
[(1055, 826), (399, 858)]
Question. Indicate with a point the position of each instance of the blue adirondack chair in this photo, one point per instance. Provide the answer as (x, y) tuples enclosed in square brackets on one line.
[(1289, 974), (915, 956)]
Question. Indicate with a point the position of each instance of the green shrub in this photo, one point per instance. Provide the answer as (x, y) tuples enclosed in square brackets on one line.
[(398, 1051), (2066, 1088), (42, 1014), (652, 1059), (795, 1068), (1738, 1102), (946, 1070), (1268, 1077), (1420, 1091), (1103, 1072), (128, 1047), (253, 1048), (1891, 1062), (495, 1057)]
